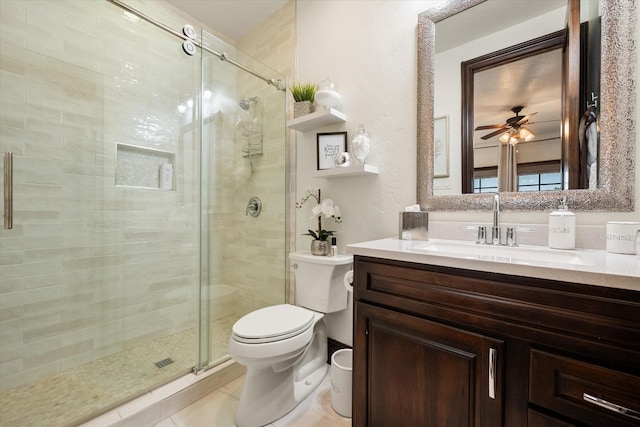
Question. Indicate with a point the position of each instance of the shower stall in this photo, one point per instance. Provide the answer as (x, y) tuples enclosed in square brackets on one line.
[(133, 152)]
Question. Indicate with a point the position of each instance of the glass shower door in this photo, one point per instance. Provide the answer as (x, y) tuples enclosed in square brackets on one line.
[(243, 136), (99, 274)]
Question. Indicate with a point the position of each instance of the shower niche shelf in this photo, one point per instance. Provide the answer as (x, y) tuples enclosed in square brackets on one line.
[(321, 118), (142, 167), (353, 170)]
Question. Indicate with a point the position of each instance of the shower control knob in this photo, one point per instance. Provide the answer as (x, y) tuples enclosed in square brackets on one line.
[(254, 207)]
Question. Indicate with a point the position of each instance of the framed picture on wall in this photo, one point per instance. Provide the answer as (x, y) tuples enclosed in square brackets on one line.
[(330, 144), (441, 147)]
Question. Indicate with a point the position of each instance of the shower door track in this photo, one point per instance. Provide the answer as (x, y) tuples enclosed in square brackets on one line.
[(223, 56)]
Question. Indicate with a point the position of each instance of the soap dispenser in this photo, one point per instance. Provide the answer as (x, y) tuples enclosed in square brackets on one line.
[(562, 227)]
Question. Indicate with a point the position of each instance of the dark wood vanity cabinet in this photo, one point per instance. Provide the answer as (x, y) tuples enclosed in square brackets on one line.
[(437, 346)]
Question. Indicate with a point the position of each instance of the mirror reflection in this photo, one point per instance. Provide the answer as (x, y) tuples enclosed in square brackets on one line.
[(509, 136), (439, 174), (514, 99)]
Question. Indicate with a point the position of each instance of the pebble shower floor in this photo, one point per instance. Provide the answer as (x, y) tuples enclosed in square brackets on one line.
[(76, 394)]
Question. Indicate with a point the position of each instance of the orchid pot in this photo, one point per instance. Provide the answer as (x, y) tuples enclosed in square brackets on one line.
[(320, 247)]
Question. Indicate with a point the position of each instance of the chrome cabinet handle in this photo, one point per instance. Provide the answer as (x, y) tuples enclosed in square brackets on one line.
[(619, 409), (493, 353), (8, 190)]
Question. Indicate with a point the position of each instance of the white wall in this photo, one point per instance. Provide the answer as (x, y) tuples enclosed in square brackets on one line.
[(369, 52), (368, 48)]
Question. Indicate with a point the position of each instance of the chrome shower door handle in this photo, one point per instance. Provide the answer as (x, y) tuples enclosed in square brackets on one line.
[(8, 190)]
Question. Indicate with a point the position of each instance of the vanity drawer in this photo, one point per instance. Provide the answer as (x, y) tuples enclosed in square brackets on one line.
[(583, 391), (537, 419)]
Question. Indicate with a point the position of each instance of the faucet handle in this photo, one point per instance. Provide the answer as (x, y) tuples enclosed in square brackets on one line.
[(511, 237), (495, 235), (482, 235)]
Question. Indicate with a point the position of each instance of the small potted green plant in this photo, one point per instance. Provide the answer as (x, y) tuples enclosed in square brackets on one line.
[(303, 94)]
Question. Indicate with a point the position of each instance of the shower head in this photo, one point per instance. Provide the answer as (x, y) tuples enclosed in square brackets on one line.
[(245, 104)]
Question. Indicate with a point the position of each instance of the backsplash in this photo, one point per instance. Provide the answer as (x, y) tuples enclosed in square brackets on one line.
[(587, 236)]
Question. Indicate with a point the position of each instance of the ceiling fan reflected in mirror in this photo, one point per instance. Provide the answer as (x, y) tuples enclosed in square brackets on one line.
[(513, 130)]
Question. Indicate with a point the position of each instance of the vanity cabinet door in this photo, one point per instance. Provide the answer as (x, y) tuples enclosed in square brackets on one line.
[(411, 371)]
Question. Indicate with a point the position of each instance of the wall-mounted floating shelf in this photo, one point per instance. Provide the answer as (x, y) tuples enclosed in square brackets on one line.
[(353, 170), (321, 118)]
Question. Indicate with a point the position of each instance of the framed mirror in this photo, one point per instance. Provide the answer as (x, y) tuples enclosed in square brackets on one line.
[(615, 190)]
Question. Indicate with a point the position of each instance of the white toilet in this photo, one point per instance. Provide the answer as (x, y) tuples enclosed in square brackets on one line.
[(284, 347)]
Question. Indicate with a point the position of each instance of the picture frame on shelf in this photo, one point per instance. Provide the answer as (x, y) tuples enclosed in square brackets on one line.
[(328, 145), (441, 147)]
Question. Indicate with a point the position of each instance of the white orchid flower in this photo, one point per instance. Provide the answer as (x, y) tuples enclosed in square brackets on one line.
[(337, 214), (317, 210), (326, 208)]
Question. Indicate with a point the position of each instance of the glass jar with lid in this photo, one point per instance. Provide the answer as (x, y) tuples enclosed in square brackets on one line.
[(361, 144)]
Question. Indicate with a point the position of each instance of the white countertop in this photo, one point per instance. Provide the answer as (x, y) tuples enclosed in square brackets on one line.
[(594, 267)]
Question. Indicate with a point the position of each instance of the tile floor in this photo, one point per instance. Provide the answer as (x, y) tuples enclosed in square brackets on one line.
[(62, 399), (218, 408)]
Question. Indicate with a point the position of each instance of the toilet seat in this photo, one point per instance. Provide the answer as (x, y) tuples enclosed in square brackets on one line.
[(271, 324)]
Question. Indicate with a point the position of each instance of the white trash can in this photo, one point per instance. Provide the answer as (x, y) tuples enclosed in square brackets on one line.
[(341, 368)]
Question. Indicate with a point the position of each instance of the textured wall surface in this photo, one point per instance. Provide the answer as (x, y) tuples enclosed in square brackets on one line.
[(369, 50)]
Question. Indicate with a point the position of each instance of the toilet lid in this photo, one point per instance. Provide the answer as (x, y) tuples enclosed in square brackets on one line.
[(273, 323)]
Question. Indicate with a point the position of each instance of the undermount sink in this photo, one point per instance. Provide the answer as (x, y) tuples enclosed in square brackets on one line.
[(516, 254)]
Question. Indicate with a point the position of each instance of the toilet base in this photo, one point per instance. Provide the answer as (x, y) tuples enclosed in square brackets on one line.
[(270, 392)]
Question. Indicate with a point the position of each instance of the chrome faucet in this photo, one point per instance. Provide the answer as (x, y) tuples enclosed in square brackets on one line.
[(496, 239), (483, 238), (495, 229)]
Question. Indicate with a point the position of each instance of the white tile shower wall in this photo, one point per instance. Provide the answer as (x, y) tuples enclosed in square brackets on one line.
[(227, 174), (262, 241), (258, 243), (90, 268)]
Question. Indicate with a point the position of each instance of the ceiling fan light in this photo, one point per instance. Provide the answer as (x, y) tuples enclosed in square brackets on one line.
[(505, 137), (526, 134)]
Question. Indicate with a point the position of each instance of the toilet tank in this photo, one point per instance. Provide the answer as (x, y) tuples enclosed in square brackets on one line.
[(320, 281)]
